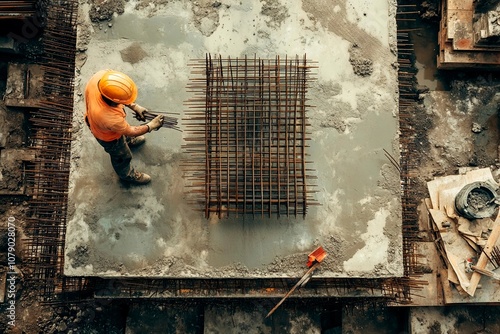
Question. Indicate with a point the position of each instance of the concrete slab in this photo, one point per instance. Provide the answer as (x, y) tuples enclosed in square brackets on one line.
[(152, 231)]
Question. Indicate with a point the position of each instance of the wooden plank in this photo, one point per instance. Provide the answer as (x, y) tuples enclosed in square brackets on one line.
[(424, 221), (460, 29), (431, 294), (461, 4), (452, 276), (439, 217), (428, 203), (435, 185), (447, 200), (457, 267), (445, 283), (475, 59), (488, 273), (455, 247), (483, 258)]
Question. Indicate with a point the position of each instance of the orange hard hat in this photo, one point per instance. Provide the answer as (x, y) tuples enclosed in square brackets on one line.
[(118, 87)]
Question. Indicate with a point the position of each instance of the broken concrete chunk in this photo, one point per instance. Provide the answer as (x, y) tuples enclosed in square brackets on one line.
[(476, 128)]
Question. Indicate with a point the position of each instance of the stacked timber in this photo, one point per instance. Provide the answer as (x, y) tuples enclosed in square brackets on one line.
[(467, 37)]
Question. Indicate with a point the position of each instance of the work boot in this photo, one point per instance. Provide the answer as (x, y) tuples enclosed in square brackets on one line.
[(139, 178), (136, 141)]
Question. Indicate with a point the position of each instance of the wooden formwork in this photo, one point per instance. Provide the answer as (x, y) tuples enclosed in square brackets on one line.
[(457, 47)]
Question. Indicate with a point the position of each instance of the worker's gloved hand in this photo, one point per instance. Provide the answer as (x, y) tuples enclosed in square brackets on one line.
[(139, 111), (156, 123)]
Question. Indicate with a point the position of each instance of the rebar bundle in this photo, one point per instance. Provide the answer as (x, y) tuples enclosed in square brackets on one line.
[(246, 135), (169, 122)]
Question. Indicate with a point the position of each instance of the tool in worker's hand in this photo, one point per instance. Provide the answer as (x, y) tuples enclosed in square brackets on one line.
[(168, 122), (314, 259)]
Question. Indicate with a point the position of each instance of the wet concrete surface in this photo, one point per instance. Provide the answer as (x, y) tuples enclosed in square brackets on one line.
[(152, 231)]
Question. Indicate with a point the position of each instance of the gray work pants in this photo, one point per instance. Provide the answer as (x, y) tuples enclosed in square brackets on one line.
[(121, 156)]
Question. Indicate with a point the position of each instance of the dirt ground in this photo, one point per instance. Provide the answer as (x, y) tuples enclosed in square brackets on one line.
[(456, 127)]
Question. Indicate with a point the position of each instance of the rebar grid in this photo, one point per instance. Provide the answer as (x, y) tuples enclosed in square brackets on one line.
[(246, 135), (48, 174)]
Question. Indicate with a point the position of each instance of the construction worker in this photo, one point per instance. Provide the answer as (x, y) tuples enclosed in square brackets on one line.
[(106, 94)]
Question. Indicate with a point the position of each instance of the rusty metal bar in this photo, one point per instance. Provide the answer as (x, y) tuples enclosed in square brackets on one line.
[(245, 84), (261, 138), (495, 256)]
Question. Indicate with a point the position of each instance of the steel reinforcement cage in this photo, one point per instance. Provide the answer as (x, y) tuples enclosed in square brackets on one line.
[(48, 175), (246, 134), (50, 138)]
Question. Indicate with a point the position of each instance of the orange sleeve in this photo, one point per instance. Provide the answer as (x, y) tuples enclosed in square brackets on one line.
[(119, 125)]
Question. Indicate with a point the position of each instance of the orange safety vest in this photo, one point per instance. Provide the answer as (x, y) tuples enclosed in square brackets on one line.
[(106, 123)]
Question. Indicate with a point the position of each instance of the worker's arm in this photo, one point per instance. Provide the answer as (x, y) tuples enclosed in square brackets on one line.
[(139, 111), (134, 131)]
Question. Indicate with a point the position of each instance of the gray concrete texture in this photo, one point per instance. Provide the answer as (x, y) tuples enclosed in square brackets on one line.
[(230, 317), (151, 231)]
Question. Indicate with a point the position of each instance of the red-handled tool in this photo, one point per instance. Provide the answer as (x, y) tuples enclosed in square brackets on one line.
[(314, 259)]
